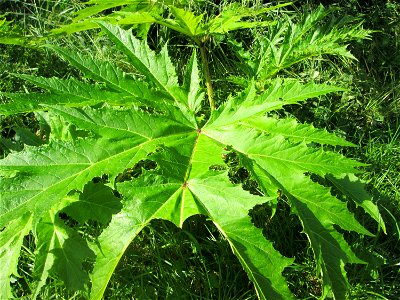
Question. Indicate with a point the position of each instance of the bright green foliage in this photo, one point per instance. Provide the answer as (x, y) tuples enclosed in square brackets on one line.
[(103, 130), (10, 34), (287, 43), (60, 250), (135, 12)]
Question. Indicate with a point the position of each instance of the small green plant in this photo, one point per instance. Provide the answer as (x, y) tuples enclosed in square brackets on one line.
[(122, 149)]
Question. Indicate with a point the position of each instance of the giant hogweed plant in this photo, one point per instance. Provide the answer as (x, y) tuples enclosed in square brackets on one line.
[(115, 121)]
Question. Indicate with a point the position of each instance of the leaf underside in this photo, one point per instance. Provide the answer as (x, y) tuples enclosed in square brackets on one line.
[(128, 120)]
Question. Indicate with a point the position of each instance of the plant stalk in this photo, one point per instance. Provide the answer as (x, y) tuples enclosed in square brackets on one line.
[(207, 75)]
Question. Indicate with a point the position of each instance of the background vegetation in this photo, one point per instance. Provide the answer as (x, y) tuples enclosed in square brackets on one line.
[(195, 262)]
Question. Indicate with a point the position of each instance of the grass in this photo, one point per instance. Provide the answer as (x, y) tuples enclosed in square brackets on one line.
[(195, 262)]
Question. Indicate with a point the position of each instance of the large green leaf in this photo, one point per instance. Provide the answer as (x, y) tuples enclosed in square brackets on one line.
[(174, 192), (130, 121)]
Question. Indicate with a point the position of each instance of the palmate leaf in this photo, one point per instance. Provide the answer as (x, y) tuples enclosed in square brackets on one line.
[(174, 194), (160, 125)]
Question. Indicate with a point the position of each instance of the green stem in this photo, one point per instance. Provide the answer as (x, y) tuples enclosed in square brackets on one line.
[(207, 76)]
